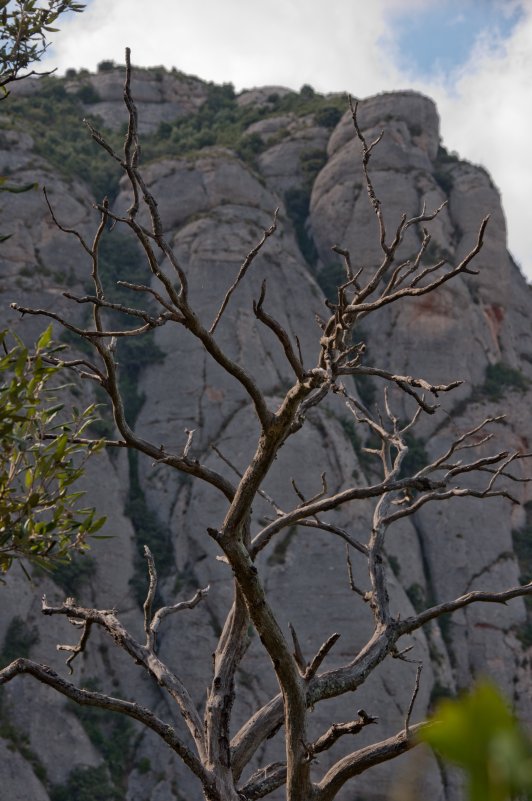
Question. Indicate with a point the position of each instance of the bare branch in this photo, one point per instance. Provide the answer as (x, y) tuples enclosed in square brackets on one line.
[(229, 652), (360, 761), (158, 297), (99, 139), (315, 665), (410, 624), (406, 383), (366, 155), (83, 333), (235, 470), (140, 654), (243, 270), (347, 261), (348, 677), (264, 781), (65, 230), (332, 502), (413, 699), (133, 710), (164, 611), (352, 585), (338, 730), (415, 291), (120, 307), (96, 374), (280, 333), (298, 653), (79, 648), (445, 495), (190, 434), (340, 532)]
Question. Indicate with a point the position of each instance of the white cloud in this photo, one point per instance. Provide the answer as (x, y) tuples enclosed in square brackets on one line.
[(486, 115), (333, 45), (340, 45)]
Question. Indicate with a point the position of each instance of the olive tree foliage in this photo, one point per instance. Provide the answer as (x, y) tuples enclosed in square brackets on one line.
[(214, 749), (24, 26), (41, 518)]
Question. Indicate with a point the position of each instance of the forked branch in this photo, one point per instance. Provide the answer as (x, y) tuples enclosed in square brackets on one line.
[(216, 761), (131, 709)]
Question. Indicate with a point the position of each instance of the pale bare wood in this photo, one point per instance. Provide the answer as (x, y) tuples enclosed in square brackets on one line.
[(214, 759)]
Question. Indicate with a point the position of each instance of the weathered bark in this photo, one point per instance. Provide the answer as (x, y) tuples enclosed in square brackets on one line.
[(216, 760)]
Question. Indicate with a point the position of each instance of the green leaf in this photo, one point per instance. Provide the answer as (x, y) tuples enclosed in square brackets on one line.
[(40, 519), (45, 339), (96, 526), (34, 500)]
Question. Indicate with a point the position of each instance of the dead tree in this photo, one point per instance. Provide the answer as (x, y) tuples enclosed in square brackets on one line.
[(215, 757)]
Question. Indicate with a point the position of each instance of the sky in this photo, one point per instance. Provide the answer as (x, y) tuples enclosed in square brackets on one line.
[(473, 57)]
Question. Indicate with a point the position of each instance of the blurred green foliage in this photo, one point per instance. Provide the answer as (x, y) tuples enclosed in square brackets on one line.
[(522, 547), (19, 638), (501, 377), (41, 519), (416, 457), (74, 575), (329, 278), (221, 121), (112, 735), (54, 118), (86, 784), (479, 733)]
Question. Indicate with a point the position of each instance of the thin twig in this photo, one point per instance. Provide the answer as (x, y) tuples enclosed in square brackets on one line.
[(352, 584), (280, 333), (413, 699), (170, 610), (79, 648), (65, 230), (243, 270)]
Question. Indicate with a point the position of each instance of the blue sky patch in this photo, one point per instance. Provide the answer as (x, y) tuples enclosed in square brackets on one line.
[(436, 40)]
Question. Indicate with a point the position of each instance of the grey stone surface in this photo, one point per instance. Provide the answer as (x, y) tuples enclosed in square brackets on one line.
[(160, 96), (281, 163), (18, 779), (258, 96), (214, 209)]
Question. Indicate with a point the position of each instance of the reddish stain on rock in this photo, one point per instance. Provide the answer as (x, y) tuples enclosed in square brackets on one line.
[(495, 316), (214, 395)]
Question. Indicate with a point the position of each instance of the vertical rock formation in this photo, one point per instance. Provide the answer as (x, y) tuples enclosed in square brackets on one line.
[(214, 204)]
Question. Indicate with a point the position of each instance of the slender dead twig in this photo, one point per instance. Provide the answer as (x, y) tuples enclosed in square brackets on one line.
[(413, 699), (79, 648), (243, 270)]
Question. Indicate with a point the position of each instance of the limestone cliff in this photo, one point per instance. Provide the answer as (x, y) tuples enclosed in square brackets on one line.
[(217, 180)]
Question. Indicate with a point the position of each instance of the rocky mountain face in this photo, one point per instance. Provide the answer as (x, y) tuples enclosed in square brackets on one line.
[(219, 165)]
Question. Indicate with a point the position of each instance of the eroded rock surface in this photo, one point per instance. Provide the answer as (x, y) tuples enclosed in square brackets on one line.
[(214, 207)]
